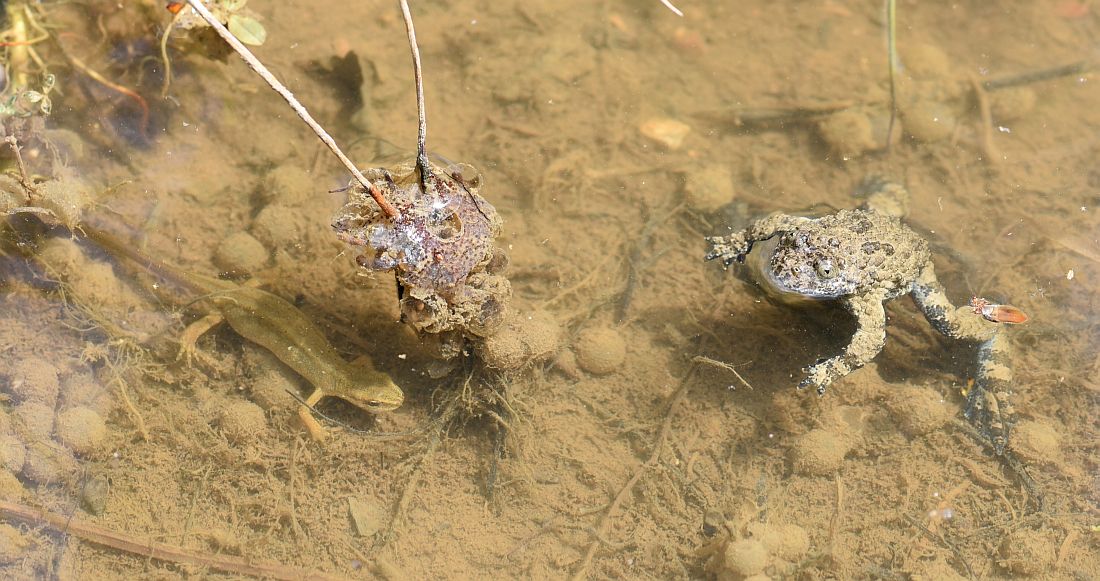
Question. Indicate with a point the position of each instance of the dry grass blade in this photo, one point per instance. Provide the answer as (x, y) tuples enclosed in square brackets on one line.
[(153, 549)]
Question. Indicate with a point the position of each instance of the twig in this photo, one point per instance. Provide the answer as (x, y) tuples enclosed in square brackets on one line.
[(255, 64), (722, 365), (422, 127), (164, 53), (600, 532), (944, 543), (1041, 75), (892, 66), (152, 549), (989, 148), (24, 177), (674, 9)]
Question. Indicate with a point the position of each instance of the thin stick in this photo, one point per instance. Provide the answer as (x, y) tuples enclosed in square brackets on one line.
[(892, 66), (24, 177), (152, 549), (989, 147), (722, 365), (422, 129), (300, 109), (600, 533), (674, 9), (164, 54)]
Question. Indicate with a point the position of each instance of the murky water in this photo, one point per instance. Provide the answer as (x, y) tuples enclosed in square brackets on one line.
[(612, 138)]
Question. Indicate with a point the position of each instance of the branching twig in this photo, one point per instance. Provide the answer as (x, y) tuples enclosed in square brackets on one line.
[(300, 109)]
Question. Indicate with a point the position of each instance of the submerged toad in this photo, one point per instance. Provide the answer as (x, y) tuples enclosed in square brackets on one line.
[(864, 257)]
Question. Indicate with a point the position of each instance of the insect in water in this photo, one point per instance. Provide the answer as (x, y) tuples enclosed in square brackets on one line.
[(995, 313)]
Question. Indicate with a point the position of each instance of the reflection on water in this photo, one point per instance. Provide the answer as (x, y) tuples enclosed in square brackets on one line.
[(640, 416)]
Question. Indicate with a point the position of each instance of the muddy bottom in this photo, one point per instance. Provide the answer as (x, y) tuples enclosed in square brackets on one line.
[(639, 418)]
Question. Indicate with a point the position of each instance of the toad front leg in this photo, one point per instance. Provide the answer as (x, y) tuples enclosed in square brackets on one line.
[(866, 343), (736, 246), (988, 403)]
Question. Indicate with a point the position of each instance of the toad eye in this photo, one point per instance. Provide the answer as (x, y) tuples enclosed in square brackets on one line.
[(825, 268)]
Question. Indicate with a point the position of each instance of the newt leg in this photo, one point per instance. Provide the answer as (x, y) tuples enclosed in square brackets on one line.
[(190, 337), (305, 413)]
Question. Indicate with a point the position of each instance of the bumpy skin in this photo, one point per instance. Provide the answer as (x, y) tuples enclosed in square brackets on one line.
[(441, 248), (863, 258)]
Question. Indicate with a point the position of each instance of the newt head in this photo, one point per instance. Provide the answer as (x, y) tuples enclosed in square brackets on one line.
[(379, 395)]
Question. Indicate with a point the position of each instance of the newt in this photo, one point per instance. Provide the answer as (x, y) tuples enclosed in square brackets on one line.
[(271, 322)]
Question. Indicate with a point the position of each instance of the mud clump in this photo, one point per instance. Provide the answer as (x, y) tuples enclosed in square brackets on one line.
[(240, 253), (34, 380), (789, 542), (12, 453), (82, 430), (1036, 442), (35, 419), (1028, 552), (819, 452), (278, 227), (743, 558), (600, 350), (524, 339), (918, 411), (49, 463), (441, 247), (13, 544), (10, 486), (242, 422)]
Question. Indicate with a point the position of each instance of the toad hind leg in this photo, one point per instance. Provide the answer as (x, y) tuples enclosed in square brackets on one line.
[(866, 343), (988, 403)]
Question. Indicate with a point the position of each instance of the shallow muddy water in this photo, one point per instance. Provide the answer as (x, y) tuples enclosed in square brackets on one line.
[(641, 417)]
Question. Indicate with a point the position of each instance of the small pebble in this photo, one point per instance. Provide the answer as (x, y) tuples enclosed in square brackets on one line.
[(786, 541), (668, 132), (1036, 442), (278, 226), (240, 253), (1028, 552), (49, 464), (34, 380), (82, 430), (708, 188), (368, 516), (926, 62), (10, 486), (83, 389), (1012, 103), (288, 184), (66, 197), (928, 121), (848, 134), (242, 422), (12, 453), (919, 411), (745, 557), (819, 452), (34, 420), (600, 350), (93, 495), (13, 545), (525, 338)]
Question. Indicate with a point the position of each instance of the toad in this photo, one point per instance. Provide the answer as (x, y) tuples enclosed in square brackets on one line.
[(863, 258)]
